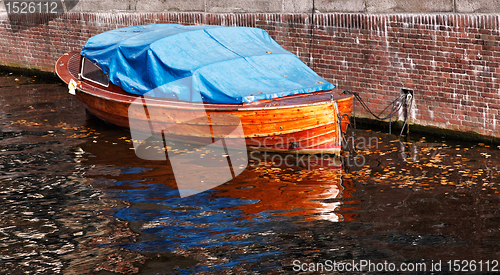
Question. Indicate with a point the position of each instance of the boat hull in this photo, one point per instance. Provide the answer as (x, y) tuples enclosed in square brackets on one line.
[(305, 124)]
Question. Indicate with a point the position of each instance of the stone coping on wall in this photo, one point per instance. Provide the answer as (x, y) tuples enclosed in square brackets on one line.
[(278, 6)]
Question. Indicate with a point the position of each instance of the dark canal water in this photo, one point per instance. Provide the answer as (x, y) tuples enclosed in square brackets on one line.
[(76, 200)]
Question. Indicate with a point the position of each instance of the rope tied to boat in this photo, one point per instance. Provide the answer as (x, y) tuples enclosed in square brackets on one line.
[(404, 101)]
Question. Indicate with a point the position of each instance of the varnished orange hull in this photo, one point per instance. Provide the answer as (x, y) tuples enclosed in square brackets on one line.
[(306, 123)]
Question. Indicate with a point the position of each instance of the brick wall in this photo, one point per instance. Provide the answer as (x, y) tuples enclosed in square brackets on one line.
[(451, 61)]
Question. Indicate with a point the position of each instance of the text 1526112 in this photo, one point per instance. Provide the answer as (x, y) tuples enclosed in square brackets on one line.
[(25, 7)]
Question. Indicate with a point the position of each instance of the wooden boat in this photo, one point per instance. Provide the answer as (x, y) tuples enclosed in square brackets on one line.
[(307, 123)]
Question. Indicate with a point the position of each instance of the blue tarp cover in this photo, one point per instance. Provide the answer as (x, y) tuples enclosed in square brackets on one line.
[(201, 63)]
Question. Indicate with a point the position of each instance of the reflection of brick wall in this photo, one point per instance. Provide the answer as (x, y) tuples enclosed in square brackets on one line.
[(450, 60)]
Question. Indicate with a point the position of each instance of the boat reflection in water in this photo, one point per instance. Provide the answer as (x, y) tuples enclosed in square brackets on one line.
[(315, 191), (312, 189), (254, 207)]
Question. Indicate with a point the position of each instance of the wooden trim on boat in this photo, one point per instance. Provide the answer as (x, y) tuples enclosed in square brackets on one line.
[(305, 117)]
